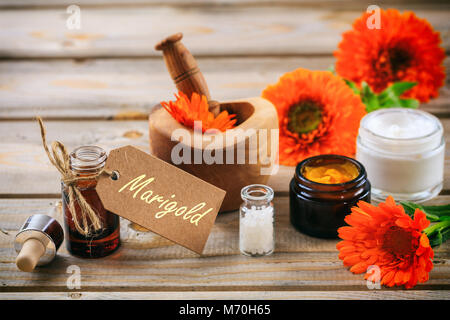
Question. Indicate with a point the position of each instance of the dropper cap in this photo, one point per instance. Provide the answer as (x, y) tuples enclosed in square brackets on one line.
[(28, 258), (37, 242)]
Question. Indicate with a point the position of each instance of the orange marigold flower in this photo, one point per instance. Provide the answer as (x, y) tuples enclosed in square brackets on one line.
[(405, 48), (187, 111), (387, 237), (317, 113)]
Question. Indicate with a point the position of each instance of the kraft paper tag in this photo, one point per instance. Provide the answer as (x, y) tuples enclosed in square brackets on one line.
[(160, 197)]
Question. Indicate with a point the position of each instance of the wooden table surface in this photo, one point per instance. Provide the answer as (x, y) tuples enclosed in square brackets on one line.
[(96, 86)]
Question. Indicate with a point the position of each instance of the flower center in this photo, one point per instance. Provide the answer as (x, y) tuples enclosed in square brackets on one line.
[(393, 62), (399, 59), (399, 242), (304, 117)]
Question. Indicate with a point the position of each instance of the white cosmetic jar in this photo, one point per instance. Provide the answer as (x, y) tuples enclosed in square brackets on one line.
[(403, 151)]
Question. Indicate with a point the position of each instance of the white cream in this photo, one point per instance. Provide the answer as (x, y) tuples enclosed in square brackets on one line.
[(403, 151)]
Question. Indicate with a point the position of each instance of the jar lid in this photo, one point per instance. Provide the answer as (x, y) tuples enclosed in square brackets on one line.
[(401, 131)]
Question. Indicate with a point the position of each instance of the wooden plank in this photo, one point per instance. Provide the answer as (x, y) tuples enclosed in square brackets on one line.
[(107, 88), (26, 171), (300, 263), (25, 166), (209, 31), (338, 4), (234, 295), (114, 88)]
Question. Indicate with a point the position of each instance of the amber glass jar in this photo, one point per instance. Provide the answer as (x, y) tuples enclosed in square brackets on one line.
[(319, 209), (87, 161)]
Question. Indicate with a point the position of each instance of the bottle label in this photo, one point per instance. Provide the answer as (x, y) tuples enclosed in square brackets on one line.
[(160, 197)]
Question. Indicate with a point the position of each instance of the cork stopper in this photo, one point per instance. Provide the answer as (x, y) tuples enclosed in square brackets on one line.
[(184, 70), (37, 242), (32, 251)]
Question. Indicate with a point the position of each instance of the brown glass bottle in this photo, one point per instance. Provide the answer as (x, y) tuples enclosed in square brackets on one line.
[(319, 209), (87, 161)]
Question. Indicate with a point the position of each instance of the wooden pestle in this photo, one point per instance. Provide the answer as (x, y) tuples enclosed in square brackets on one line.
[(184, 70)]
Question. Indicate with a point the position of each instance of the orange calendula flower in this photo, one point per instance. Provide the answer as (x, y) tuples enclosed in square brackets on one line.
[(317, 113), (405, 48), (387, 237), (187, 111)]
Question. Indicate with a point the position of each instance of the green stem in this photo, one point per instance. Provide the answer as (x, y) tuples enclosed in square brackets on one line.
[(438, 226)]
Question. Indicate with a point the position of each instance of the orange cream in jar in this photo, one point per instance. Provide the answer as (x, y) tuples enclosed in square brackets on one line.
[(331, 173)]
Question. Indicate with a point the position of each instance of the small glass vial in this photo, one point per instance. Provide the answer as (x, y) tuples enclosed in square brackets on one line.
[(319, 208), (256, 221), (87, 161), (138, 233), (403, 151)]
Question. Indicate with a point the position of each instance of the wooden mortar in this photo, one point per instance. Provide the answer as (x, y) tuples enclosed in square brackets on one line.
[(252, 114)]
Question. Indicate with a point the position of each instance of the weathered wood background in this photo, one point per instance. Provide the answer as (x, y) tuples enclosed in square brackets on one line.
[(96, 86)]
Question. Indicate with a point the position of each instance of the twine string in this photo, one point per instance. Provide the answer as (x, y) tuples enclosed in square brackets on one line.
[(59, 157)]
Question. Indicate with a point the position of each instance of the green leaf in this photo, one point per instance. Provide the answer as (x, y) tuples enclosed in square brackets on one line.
[(332, 69), (409, 103), (439, 232), (398, 88), (437, 227), (353, 86), (436, 239), (411, 207), (389, 98), (445, 234), (442, 210), (439, 237), (369, 98)]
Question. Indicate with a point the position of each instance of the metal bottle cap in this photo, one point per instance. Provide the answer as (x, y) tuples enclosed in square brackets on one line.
[(45, 229)]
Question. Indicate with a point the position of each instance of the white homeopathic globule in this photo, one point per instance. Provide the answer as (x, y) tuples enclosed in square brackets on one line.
[(256, 231)]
